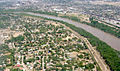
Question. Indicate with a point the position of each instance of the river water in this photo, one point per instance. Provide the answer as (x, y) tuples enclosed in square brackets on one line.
[(111, 40)]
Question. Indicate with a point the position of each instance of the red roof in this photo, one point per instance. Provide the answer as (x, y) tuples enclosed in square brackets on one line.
[(18, 65)]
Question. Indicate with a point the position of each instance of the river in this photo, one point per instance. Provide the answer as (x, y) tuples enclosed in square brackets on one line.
[(111, 40)]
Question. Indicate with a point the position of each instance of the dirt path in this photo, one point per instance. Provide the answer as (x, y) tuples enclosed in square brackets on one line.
[(94, 52), (1, 37), (43, 64), (24, 66), (110, 25)]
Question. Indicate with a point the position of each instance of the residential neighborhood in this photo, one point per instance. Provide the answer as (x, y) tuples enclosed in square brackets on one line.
[(44, 45)]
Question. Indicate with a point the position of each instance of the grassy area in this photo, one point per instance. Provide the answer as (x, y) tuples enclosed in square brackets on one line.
[(48, 13), (3, 23)]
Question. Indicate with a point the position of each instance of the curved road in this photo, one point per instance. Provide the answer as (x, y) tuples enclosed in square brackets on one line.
[(111, 40)]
